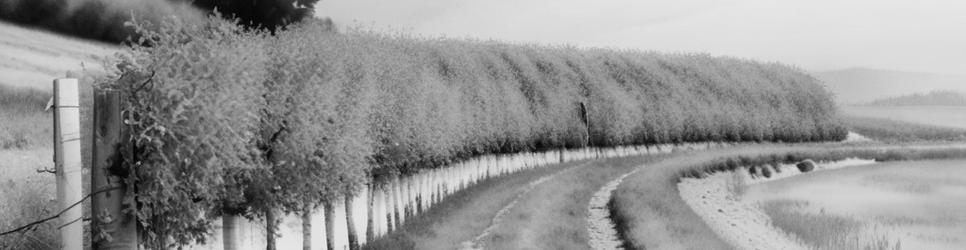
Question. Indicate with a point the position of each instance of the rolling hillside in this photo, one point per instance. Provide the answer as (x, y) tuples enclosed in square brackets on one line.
[(32, 58), (862, 85)]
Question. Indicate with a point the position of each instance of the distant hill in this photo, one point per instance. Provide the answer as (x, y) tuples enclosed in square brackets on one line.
[(862, 85), (937, 98)]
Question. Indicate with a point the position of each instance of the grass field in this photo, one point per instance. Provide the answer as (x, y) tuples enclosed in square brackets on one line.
[(33, 58)]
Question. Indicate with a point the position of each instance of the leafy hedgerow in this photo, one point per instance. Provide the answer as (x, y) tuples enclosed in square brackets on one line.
[(229, 120)]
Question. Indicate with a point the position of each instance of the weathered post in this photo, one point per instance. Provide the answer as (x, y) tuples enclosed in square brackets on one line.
[(112, 228), (67, 158)]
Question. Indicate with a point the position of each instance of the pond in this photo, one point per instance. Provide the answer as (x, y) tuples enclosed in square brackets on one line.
[(907, 205)]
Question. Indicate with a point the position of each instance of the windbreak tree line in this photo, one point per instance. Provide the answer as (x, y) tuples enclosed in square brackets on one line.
[(227, 120)]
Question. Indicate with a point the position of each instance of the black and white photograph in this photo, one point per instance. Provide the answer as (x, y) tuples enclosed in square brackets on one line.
[(471, 124)]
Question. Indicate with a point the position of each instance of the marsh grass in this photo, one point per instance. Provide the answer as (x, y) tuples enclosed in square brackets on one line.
[(823, 230)]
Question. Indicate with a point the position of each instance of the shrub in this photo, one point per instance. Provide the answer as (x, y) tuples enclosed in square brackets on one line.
[(765, 171), (806, 166), (192, 121)]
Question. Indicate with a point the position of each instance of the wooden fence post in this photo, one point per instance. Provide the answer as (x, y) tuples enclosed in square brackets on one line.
[(111, 228), (67, 157)]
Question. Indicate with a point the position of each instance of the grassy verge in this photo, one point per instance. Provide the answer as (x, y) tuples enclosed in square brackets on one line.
[(892, 131), (651, 214)]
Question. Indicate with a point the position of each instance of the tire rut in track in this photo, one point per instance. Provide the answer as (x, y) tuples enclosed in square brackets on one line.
[(601, 229), (477, 242)]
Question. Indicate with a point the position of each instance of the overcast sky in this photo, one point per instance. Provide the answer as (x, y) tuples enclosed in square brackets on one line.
[(909, 35)]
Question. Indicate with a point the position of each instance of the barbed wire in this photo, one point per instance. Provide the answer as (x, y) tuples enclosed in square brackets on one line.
[(36, 223)]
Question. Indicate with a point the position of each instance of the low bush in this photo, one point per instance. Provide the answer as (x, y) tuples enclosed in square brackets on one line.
[(805, 166)]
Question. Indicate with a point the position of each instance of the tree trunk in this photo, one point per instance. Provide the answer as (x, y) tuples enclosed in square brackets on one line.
[(271, 228), (229, 230), (387, 209), (329, 225), (307, 228), (396, 204), (109, 206), (562, 159), (370, 221), (350, 226)]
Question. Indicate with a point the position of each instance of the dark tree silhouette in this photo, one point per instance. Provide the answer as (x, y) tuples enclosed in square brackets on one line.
[(103, 20), (270, 14)]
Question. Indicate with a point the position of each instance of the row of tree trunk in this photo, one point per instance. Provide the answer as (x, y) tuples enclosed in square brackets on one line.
[(384, 206)]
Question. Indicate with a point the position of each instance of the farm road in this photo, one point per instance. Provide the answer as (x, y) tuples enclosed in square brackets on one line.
[(544, 208), (553, 214)]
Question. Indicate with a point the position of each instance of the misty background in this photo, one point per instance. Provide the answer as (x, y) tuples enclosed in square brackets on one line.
[(863, 49), (919, 36)]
